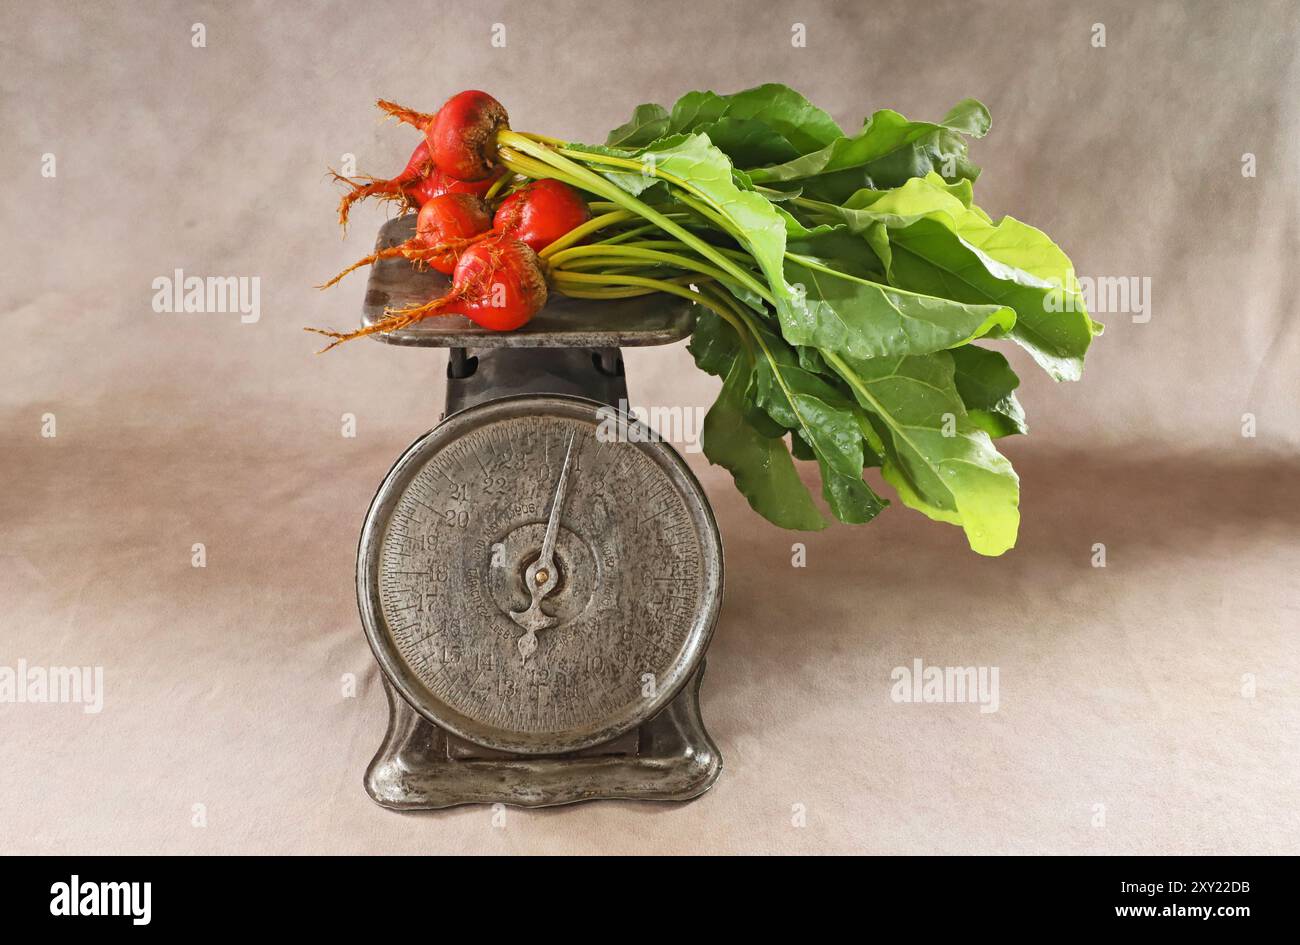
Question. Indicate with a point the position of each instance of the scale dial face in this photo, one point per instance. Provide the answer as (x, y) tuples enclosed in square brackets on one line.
[(539, 574)]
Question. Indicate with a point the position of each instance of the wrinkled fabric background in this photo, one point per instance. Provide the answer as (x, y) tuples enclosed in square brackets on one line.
[(1150, 706)]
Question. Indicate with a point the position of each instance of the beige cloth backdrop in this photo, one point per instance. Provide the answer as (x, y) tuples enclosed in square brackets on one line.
[(1150, 706)]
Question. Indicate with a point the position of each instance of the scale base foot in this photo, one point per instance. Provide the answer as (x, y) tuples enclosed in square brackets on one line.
[(421, 767)]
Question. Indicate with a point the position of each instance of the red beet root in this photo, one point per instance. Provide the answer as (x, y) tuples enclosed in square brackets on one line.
[(503, 284), (498, 283), (446, 226), (445, 223), (417, 169), (463, 136), (541, 212), (422, 178), (436, 183), (421, 120)]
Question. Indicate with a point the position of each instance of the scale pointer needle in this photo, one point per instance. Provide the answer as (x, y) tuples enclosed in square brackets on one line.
[(541, 574)]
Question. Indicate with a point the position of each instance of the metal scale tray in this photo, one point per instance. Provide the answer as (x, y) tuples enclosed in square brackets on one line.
[(563, 323)]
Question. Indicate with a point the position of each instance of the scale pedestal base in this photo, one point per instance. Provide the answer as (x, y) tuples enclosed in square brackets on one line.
[(671, 758)]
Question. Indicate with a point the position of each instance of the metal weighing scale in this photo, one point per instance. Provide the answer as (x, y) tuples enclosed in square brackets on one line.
[(539, 575)]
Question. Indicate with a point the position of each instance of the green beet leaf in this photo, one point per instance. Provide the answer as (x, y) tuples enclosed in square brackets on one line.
[(822, 418), (934, 243), (888, 151), (849, 497), (838, 247), (865, 272), (781, 395), (713, 344), (748, 142), (987, 387), (863, 319), (761, 466), (648, 124), (805, 126), (936, 458), (768, 124)]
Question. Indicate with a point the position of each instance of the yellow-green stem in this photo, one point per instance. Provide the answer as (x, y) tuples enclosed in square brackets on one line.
[(586, 229), (498, 185), (593, 182), (634, 252), (655, 285)]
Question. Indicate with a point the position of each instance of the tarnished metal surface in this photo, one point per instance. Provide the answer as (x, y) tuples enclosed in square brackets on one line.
[(503, 372), (445, 556), (668, 755), (563, 323), (414, 770), (626, 744)]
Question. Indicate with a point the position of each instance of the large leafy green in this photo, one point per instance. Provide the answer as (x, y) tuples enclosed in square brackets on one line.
[(936, 458), (823, 419), (647, 125), (838, 247), (713, 344), (779, 395), (933, 242), (768, 124), (818, 306), (987, 387), (805, 126), (760, 465), (865, 271), (863, 319), (888, 151)]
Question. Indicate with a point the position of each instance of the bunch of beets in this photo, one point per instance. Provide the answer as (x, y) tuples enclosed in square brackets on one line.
[(847, 289), (491, 254)]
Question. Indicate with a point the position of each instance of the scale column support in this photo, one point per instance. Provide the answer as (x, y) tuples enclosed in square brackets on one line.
[(477, 375)]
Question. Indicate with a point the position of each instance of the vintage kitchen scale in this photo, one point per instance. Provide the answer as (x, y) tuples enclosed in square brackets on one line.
[(539, 575)]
